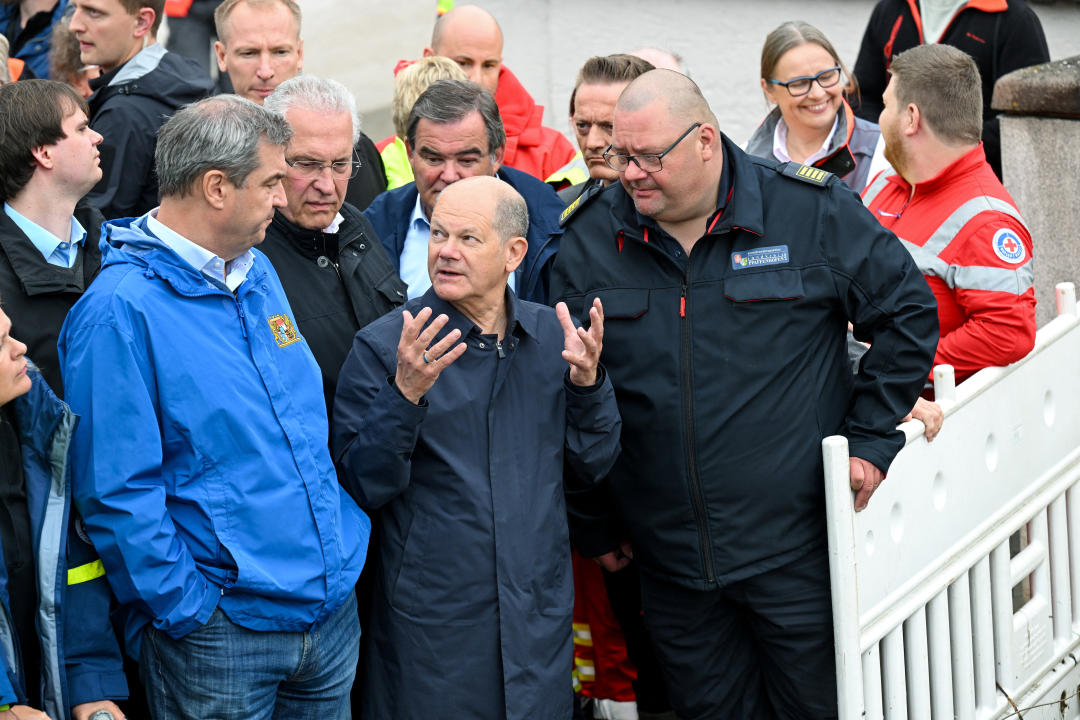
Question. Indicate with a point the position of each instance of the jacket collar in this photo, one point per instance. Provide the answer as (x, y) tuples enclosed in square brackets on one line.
[(521, 318), (838, 158), (970, 162), (986, 6), (743, 210), (129, 240), (35, 274)]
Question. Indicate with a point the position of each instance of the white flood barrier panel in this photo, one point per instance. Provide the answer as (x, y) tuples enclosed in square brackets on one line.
[(935, 617)]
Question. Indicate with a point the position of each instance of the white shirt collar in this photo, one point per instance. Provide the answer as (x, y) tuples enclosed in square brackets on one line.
[(230, 274)]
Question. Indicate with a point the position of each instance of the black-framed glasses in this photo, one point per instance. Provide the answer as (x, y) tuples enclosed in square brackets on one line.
[(650, 162), (797, 87), (313, 168)]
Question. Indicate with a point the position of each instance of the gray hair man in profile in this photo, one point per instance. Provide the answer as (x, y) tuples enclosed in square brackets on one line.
[(204, 477)]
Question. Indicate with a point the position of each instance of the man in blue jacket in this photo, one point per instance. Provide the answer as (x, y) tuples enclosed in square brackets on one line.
[(201, 465), (455, 131), (454, 416)]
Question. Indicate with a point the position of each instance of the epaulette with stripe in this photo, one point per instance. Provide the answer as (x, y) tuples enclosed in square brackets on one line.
[(806, 173), (581, 201)]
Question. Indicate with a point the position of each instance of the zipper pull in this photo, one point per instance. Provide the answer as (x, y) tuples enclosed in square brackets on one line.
[(499, 349), (243, 319), (682, 302)]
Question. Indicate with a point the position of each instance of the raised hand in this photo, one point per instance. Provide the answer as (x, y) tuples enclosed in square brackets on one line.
[(582, 348), (419, 366)]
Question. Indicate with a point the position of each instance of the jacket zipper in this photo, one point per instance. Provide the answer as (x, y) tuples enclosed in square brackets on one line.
[(243, 318), (697, 494)]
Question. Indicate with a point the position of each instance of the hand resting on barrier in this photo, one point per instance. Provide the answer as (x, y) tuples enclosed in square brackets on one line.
[(931, 415), (865, 478)]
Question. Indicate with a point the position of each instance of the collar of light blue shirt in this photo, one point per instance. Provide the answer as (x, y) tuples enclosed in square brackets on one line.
[(223, 274), (56, 251), (419, 221)]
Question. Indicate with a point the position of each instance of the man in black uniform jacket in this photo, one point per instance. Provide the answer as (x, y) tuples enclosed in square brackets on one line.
[(727, 284)]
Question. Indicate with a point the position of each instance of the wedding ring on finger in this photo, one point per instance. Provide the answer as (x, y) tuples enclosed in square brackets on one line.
[(426, 361)]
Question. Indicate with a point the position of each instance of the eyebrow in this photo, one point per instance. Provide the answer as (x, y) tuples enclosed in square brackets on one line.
[(470, 151)]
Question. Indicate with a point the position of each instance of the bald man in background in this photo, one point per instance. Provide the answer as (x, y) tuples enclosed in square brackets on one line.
[(471, 37)]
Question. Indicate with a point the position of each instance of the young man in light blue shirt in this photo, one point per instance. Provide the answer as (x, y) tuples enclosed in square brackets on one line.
[(48, 242)]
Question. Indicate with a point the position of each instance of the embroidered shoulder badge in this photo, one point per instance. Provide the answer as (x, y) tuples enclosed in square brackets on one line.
[(1009, 247), (812, 175), (284, 332)]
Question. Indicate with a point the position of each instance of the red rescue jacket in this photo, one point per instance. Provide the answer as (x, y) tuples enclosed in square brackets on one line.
[(968, 238)]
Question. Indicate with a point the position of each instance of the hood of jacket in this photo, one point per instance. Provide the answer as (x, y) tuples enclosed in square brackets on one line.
[(521, 115), (173, 81), (129, 241)]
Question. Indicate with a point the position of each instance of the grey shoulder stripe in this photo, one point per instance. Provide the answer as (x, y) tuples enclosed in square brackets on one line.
[(940, 238), (877, 186)]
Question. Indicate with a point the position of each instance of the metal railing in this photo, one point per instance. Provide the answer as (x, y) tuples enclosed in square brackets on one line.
[(926, 625)]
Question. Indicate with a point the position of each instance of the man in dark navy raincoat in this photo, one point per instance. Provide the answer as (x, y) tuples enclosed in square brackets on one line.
[(455, 416)]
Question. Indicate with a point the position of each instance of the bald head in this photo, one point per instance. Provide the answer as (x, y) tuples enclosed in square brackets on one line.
[(471, 37), (678, 94), (502, 204)]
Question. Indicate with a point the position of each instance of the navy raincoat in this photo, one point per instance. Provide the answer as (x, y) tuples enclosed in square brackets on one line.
[(473, 594)]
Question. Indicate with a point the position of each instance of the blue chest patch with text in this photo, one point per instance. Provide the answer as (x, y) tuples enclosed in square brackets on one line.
[(774, 255)]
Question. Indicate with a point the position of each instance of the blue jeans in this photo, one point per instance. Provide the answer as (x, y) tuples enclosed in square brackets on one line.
[(222, 671)]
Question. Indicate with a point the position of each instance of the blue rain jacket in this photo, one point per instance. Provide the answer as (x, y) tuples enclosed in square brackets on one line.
[(80, 658), (201, 466), (473, 593)]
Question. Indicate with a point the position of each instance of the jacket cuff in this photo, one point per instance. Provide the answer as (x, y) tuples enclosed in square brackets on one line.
[(601, 376), (96, 686), (184, 626)]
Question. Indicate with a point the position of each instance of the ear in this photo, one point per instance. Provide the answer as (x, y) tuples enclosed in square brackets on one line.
[(913, 120), (300, 55), (144, 22), (428, 52), (767, 88), (498, 159), (516, 247), (43, 156), (216, 188), (708, 141), (219, 51)]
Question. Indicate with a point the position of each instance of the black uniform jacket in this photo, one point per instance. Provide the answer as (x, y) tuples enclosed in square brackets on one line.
[(729, 374), (336, 284)]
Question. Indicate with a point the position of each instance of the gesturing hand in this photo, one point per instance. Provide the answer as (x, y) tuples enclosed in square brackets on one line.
[(582, 348), (419, 366)]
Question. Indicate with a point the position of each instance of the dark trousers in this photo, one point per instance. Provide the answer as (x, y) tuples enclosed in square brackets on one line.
[(757, 648)]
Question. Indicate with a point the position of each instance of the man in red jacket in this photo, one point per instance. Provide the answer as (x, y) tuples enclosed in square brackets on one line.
[(948, 208), (472, 38)]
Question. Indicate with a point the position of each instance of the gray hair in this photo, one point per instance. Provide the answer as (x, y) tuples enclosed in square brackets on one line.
[(314, 93), (511, 217), (218, 133), (448, 101)]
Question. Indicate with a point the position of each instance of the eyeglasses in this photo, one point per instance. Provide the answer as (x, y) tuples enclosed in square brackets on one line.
[(313, 168), (650, 162), (800, 86)]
